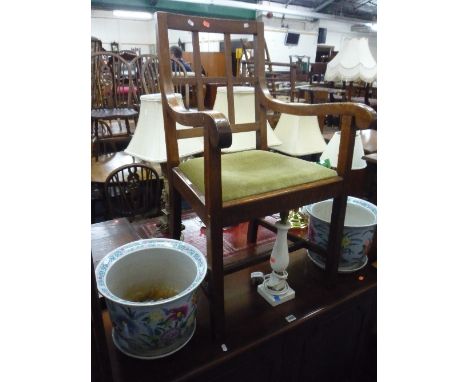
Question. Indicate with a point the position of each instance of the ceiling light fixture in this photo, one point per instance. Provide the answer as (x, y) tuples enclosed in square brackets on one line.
[(132, 15)]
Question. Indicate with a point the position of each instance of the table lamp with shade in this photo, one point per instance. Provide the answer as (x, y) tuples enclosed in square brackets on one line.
[(330, 153), (354, 62), (244, 112), (300, 136), (149, 141)]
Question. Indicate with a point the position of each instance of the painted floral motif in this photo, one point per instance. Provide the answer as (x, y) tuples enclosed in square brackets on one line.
[(176, 313), (144, 331), (356, 241)]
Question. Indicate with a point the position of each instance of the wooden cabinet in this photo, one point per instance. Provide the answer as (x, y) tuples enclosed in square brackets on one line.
[(213, 62)]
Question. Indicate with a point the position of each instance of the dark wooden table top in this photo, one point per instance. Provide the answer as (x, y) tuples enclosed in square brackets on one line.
[(105, 164), (313, 88), (250, 319), (370, 158)]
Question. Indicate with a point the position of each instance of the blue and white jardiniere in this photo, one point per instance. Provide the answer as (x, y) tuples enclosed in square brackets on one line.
[(359, 228), (151, 329)]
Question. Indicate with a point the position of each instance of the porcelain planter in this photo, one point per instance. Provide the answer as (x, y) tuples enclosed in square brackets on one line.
[(359, 228), (156, 328)]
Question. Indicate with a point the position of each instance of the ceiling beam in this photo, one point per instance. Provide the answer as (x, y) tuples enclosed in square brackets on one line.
[(363, 3), (323, 5)]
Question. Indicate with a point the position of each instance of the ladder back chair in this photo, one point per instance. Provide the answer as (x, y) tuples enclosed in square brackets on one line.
[(150, 81), (274, 78), (244, 186), (112, 93), (137, 65)]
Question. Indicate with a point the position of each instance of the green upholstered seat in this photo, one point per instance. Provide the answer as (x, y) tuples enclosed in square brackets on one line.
[(254, 172)]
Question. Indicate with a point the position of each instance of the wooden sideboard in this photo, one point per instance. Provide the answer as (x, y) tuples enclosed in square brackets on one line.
[(330, 335)]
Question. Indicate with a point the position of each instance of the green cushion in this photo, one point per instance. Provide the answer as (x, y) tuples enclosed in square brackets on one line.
[(254, 172)]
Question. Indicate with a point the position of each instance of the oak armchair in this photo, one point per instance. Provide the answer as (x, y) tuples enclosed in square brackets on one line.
[(227, 189)]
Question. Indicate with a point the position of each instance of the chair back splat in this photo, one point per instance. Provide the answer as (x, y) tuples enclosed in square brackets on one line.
[(132, 191), (227, 189)]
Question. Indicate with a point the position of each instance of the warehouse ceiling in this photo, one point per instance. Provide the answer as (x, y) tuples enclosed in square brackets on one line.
[(358, 9), (365, 10)]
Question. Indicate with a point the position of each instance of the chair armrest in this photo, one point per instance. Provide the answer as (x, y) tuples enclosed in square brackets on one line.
[(364, 115), (217, 125)]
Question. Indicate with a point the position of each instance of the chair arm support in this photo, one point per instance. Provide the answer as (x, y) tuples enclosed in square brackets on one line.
[(364, 115), (217, 125)]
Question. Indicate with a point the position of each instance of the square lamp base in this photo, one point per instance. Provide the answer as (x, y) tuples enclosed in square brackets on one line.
[(275, 299)]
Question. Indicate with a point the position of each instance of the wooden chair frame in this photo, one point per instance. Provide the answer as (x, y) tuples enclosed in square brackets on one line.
[(133, 190), (272, 77), (110, 76), (137, 65), (217, 129)]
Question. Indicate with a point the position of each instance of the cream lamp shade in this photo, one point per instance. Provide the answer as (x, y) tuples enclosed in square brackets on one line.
[(244, 109), (149, 141), (353, 62), (300, 135), (333, 147)]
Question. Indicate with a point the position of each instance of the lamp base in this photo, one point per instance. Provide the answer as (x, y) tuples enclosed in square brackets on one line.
[(297, 219), (275, 299)]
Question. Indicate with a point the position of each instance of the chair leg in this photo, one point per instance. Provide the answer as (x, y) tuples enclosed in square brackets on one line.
[(96, 136), (175, 213), (214, 247), (252, 231), (127, 126), (334, 238)]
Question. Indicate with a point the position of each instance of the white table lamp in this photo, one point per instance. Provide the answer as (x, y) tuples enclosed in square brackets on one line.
[(149, 141), (333, 147), (244, 109), (353, 62), (300, 135)]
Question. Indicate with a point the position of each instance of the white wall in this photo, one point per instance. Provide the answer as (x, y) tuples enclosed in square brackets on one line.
[(275, 34), (128, 33), (338, 31)]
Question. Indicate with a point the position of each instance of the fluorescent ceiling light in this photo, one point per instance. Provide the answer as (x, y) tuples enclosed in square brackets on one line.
[(133, 15), (267, 7)]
